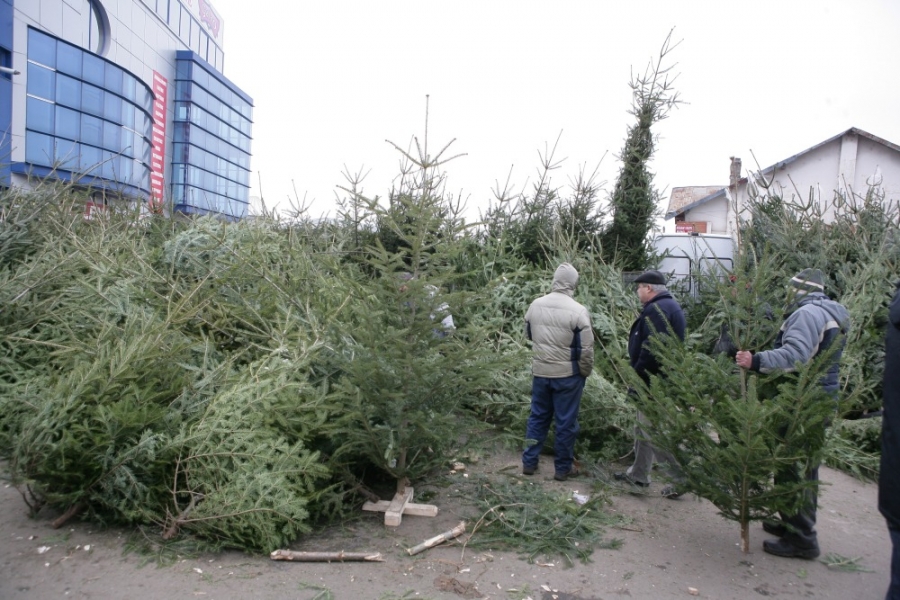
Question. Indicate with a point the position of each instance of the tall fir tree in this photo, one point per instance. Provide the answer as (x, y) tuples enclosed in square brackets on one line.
[(634, 199), (407, 369)]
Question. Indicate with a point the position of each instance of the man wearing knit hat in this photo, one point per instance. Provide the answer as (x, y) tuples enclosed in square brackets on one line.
[(562, 343), (661, 315), (813, 323)]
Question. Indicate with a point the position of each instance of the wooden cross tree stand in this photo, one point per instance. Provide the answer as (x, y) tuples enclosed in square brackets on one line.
[(401, 505)]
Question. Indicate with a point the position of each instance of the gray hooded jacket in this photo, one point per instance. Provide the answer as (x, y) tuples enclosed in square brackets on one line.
[(560, 329), (809, 330)]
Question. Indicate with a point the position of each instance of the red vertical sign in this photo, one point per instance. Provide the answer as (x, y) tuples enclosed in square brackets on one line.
[(158, 154)]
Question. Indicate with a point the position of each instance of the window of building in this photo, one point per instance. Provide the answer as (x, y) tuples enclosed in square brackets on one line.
[(195, 37), (68, 60), (128, 116), (41, 48), (90, 159), (95, 24), (112, 135), (91, 130), (113, 78), (129, 87), (184, 28), (6, 61), (127, 142), (67, 153), (92, 99), (211, 150), (38, 147), (41, 81), (112, 108), (68, 123), (68, 91), (39, 115), (94, 68)]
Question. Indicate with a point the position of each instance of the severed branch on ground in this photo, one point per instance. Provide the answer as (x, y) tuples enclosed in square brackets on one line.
[(70, 512), (438, 539), (341, 556)]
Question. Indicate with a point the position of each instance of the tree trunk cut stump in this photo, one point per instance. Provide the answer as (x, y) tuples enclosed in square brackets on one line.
[(401, 505)]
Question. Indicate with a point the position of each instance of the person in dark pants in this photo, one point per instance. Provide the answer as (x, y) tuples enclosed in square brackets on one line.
[(563, 356), (812, 324), (888, 480), (661, 315)]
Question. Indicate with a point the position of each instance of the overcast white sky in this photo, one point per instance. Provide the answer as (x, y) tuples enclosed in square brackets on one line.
[(333, 80)]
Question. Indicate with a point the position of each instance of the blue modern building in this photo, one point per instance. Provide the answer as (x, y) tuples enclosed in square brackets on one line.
[(127, 99)]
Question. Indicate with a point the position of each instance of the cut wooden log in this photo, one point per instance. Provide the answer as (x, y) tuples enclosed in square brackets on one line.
[(399, 506), (341, 556), (438, 539), (394, 513)]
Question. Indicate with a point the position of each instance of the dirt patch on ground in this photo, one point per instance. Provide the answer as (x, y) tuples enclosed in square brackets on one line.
[(671, 549)]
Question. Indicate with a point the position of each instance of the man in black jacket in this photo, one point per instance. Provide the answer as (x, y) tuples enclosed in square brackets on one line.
[(888, 482), (661, 315)]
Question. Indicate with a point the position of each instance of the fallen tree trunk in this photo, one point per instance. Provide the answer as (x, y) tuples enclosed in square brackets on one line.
[(326, 556)]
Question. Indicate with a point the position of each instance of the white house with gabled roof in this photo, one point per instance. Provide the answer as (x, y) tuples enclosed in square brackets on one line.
[(849, 163)]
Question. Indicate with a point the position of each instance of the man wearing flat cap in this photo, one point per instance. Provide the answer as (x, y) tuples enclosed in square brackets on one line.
[(661, 315), (813, 323)]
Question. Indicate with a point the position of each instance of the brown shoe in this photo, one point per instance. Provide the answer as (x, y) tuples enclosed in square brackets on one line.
[(573, 472)]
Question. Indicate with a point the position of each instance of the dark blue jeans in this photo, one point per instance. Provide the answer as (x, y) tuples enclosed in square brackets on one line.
[(559, 398), (893, 592)]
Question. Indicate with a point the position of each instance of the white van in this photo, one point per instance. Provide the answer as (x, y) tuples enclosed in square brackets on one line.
[(685, 256)]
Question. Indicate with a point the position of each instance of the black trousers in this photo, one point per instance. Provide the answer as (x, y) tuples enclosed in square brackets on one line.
[(802, 530)]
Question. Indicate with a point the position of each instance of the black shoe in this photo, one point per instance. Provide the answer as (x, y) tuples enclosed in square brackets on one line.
[(671, 492), (573, 472), (786, 549), (775, 529), (623, 476), (526, 470)]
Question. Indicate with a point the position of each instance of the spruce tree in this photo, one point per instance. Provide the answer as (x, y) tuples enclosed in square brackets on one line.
[(634, 201), (406, 373), (732, 430)]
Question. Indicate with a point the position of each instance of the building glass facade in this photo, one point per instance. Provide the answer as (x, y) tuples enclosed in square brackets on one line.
[(126, 98), (211, 141), (86, 118)]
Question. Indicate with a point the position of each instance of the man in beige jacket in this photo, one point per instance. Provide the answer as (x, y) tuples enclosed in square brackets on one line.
[(563, 356)]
